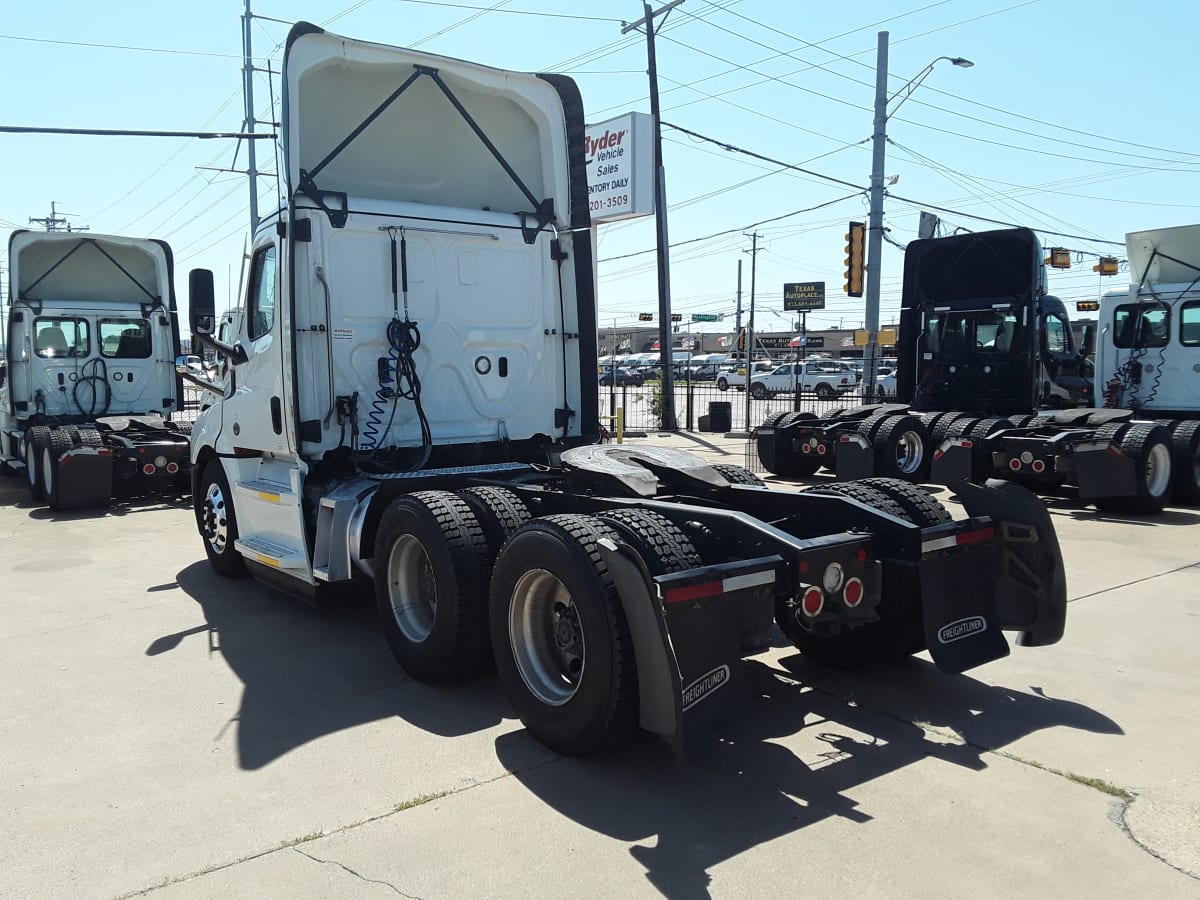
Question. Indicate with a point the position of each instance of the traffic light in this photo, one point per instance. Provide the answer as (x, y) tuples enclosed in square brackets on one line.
[(1059, 258), (676, 317), (856, 258), (645, 317), (1106, 266)]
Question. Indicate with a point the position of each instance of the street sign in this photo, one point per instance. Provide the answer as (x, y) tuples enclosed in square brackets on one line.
[(706, 317), (804, 295)]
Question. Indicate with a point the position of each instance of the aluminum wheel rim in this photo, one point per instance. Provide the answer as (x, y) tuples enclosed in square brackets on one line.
[(216, 519), (412, 592), (546, 637), (47, 470), (910, 452), (30, 462), (1158, 470)]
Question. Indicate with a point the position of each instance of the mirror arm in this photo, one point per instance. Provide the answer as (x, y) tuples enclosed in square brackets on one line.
[(233, 352)]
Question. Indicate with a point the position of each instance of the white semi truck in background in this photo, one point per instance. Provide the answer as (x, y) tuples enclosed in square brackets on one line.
[(409, 404), (89, 380)]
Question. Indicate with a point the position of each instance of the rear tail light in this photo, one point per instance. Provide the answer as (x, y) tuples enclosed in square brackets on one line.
[(1039, 466), (832, 577), (1014, 464), (852, 593), (172, 468), (813, 601), (148, 469)]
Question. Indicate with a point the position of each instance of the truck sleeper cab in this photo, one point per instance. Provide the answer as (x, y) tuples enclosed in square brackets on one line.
[(92, 337), (409, 402)]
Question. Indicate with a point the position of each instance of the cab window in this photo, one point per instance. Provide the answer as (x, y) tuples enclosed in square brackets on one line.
[(1141, 325), (124, 338), (1058, 334), (261, 308), (60, 336), (1189, 324)]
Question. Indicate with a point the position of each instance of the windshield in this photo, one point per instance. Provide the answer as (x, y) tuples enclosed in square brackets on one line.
[(962, 333)]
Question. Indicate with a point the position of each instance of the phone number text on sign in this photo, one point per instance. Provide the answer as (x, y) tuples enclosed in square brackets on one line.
[(610, 202)]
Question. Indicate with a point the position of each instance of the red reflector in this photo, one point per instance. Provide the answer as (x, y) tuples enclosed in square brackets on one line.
[(862, 555), (975, 537), (938, 454), (1115, 451), (852, 593), (803, 566), (813, 601), (694, 592), (820, 449), (172, 468), (1039, 466), (148, 469), (1014, 464)]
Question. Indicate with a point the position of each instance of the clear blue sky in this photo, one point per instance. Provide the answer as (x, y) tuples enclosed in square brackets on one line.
[(1077, 117)]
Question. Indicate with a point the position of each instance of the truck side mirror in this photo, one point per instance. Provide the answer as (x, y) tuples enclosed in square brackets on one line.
[(202, 304), (1088, 346)]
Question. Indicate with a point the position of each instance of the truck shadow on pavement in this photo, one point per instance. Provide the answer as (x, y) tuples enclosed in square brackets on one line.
[(307, 673), (14, 494), (740, 789)]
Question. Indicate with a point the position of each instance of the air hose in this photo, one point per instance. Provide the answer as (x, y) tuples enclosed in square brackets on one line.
[(93, 373), (398, 378)]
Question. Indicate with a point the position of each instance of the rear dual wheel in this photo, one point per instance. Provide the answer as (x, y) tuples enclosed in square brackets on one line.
[(1149, 446)]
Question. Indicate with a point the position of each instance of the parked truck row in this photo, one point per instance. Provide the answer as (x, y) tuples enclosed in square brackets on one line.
[(991, 383), (88, 379), (408, 405)]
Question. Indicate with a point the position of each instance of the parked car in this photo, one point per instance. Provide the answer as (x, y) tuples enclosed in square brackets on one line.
[(825, 382), (735, 376), (625, 378)]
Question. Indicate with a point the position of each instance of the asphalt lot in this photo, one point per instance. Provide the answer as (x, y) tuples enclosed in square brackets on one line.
[(169, 732)]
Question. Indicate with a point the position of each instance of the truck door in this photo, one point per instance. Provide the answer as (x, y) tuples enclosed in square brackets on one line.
[(252, 415), (61, 345)]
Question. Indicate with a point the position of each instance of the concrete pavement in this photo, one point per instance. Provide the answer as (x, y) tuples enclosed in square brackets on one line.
[(169, 732)]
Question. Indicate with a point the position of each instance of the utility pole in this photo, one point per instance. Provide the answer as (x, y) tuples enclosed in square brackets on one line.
[(56, 222), (666, 359), (738, 329), (750, 326), (875, 222), (248, 124)]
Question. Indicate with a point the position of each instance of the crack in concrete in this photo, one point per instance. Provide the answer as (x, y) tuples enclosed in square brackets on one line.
[(358, 875), (1123, 824), (1117, 587), (291, 845)]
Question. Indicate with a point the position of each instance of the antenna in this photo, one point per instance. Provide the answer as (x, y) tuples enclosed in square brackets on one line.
[(56, 221)]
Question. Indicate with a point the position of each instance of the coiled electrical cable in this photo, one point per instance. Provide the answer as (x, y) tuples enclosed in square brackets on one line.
[(93, 373)]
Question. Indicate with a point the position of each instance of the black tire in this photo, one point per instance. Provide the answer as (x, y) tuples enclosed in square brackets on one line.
[(500, 512), (722, 384), (217, 522), (37, 439), (899, 630), (826, 392), (939, 431), (759, 391), (870, 426), (737, 474), (773, 419), (90, 437), (552, 601), (60, 443), (901, 447), (430, 588), (834, 413), (919, 506), (1185, 463), (659, 541), (1150, 448)]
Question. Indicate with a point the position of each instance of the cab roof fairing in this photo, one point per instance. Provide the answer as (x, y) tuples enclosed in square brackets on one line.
[(419, 148)]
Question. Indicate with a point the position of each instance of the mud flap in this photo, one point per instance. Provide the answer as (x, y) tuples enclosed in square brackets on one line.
[(962, 628), (951, 463), (855, 458), (84, 477), (1102, 470), (687, 649), (1029, 583)]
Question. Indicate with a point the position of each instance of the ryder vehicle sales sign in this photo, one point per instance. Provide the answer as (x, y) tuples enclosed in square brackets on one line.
[(620, 170)]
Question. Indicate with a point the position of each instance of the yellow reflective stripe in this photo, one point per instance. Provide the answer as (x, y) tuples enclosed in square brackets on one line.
[(267, 560), (268, 496)]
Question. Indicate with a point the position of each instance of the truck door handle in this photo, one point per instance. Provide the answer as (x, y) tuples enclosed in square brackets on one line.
[(276, 415)]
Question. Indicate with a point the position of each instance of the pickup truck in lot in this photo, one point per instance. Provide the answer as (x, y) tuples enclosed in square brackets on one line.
[(810, 377)]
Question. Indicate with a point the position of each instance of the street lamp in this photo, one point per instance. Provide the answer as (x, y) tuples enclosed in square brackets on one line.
[(875, 226)]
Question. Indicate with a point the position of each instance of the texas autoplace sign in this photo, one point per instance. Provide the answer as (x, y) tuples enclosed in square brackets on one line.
[(620, 167)]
